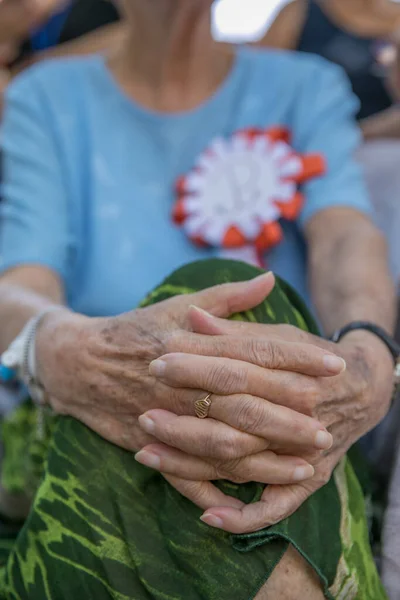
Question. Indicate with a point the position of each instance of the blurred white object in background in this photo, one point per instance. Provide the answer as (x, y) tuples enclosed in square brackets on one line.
[(244, 21)]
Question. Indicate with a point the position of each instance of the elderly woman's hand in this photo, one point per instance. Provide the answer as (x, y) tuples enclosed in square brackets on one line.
[(348, 405), (97, 370)]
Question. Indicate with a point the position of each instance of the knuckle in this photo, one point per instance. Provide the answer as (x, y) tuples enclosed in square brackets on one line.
[(227, 379), (305, 355), (313, 457), (231, 470), (277, 356), (267, 354), (178, 401), (311, 398), (303, 429), (227, 448), (175, 341), (234, 478), (323, 477), (251, 415), (313, 394), (228, 471), (197, 492), (308, 395)]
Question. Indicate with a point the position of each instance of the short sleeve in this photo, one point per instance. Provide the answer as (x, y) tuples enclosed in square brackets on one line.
[(326, 125), (34, 210)]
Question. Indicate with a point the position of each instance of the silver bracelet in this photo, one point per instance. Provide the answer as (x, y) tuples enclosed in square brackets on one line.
[(27, 367)]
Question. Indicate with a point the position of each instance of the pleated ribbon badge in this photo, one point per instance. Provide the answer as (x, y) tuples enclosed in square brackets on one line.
[(239, 190)]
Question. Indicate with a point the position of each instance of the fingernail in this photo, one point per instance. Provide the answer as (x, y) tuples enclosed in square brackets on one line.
[(264, 275), (334, 364), (148, 459), (147, 424), (201, 310), (212, 521), (323, 440), (157, 367), (302, 473)]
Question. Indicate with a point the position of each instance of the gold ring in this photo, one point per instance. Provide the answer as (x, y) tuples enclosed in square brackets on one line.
[(202, 407)]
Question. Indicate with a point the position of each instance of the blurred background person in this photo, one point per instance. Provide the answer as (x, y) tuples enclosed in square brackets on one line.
[(349, 33), (79, 27), (33, 31), (17, 18), (361, 37)]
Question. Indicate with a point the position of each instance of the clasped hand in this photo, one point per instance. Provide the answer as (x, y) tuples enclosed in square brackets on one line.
[(276, 393), (349, 403)]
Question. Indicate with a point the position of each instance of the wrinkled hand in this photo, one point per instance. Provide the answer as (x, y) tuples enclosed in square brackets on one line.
[(97, 370), (349, 405)]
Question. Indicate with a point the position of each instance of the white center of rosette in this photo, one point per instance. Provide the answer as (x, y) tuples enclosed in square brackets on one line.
[(239, 182)]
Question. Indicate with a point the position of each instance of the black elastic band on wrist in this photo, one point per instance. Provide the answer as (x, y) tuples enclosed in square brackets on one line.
[(391, 344)]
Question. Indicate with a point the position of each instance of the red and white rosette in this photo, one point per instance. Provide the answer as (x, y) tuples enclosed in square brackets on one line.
[(239, 190)]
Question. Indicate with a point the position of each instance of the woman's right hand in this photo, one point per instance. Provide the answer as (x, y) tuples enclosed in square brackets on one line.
[(97, 370)]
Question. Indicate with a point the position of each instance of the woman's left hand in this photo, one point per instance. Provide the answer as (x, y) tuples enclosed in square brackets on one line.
[(349, 405)]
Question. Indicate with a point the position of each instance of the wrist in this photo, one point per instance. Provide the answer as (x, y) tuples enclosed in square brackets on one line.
[(55, 339), (370, 345)]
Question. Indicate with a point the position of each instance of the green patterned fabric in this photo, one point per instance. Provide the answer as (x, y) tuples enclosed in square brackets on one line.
[(102, 526)]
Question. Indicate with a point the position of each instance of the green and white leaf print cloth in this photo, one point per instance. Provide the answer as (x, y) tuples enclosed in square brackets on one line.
[(104, 527)]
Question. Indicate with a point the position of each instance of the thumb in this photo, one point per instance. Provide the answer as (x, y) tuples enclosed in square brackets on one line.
[(277, 503), (204, 323), (230, 298)]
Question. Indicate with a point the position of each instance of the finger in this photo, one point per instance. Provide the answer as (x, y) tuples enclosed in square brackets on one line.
[(247, 412), (202, 493), (263, 353), (197, 437), (277, 503), (248, 423), (207, 324), (265, 467), (282, 427), (227, 376), (231, 298)]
